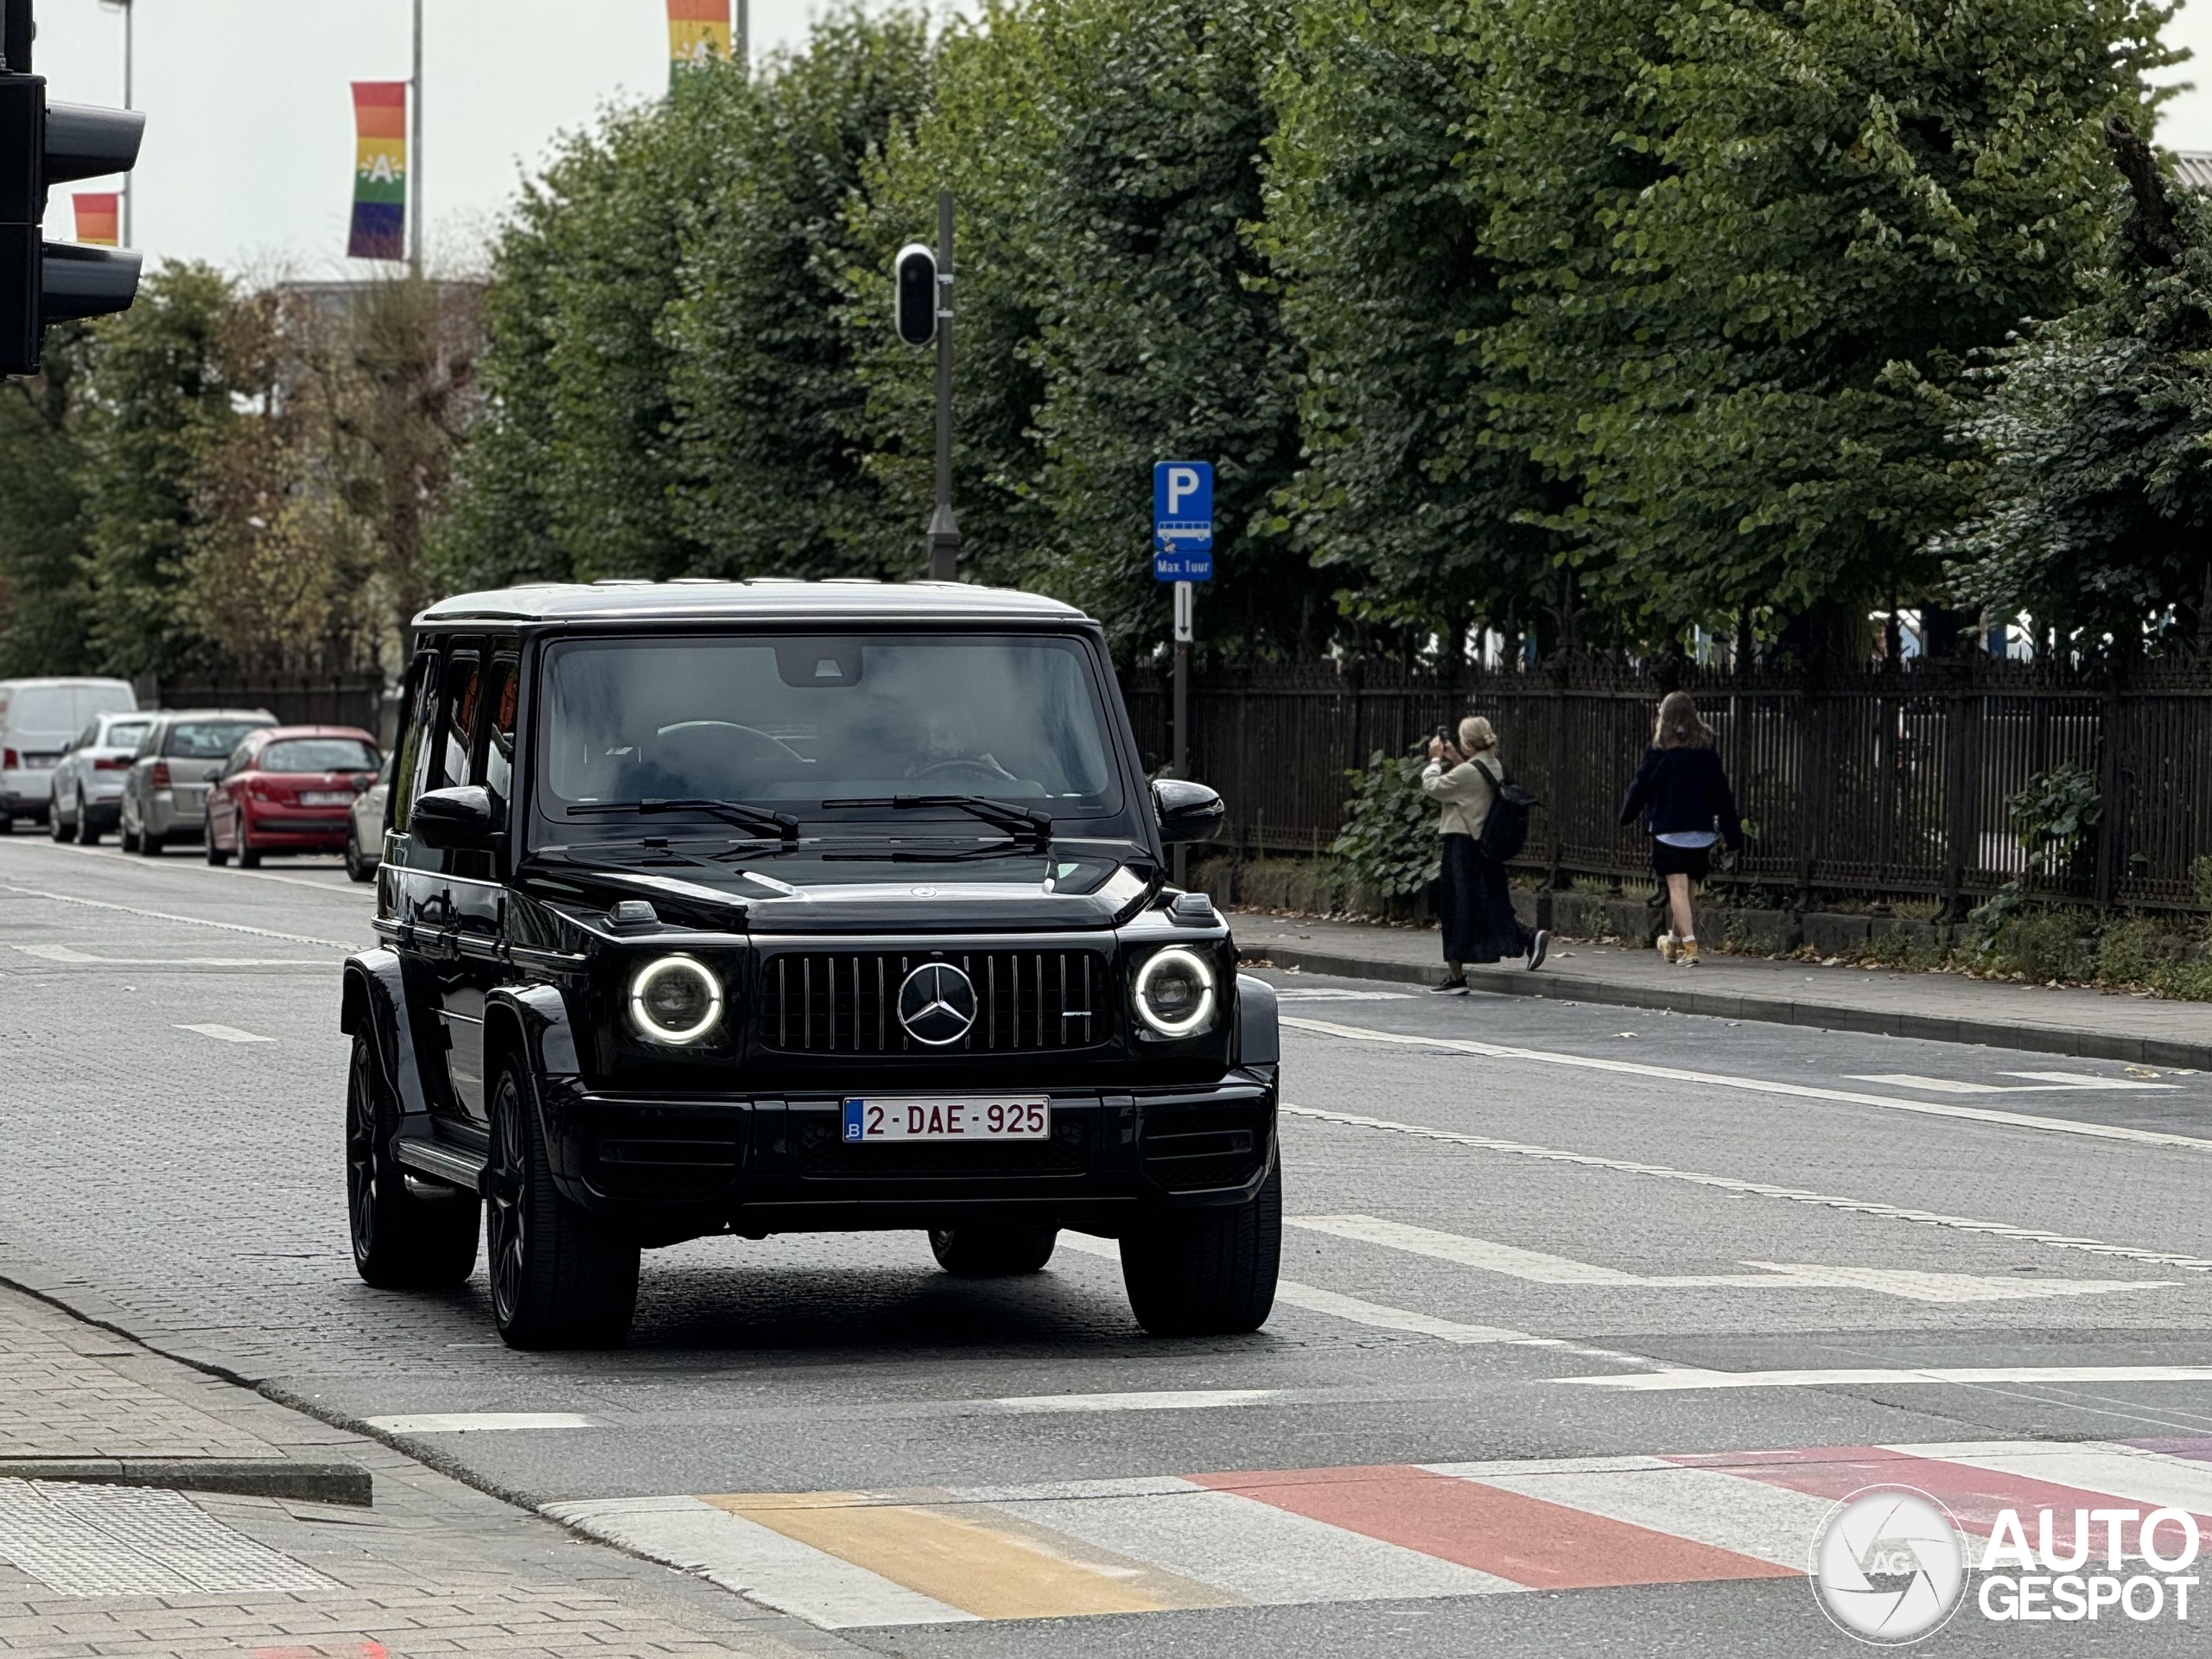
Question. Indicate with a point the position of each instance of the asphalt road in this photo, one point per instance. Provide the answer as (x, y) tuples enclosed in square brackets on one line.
[(1525, 1234)]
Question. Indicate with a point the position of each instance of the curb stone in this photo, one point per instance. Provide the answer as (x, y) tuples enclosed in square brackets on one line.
[(1550, 983), (342, 1483)]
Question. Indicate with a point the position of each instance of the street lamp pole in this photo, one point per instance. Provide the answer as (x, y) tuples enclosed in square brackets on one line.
[(742, 46), (130, 191), (415, 152), (944, 529)]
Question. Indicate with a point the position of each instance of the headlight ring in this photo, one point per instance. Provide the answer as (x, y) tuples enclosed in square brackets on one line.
[(675, 1000), (1175, 992)]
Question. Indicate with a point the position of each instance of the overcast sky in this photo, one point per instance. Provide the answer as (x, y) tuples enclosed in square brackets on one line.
[(249, 150)]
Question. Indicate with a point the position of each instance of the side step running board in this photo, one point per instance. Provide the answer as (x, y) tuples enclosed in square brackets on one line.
[(445, 1163)]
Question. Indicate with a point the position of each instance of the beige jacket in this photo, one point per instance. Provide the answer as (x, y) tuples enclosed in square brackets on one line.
[(1465, 791)]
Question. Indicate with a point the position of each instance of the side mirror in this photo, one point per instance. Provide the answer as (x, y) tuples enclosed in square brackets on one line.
[(1187, 811), (455, 820)]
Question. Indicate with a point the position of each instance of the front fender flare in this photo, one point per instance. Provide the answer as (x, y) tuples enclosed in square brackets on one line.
[(1259, 1038), (531, 1022)]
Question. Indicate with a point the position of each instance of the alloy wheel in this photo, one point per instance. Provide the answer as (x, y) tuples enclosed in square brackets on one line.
[(361, 1152), (505, 1227)]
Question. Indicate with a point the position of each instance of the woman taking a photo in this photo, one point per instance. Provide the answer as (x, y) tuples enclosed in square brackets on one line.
[(1682, 793), (1472, 903)]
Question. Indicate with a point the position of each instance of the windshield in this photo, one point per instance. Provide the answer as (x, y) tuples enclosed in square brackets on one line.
[(792, 722), (207, 740), (319, 754)]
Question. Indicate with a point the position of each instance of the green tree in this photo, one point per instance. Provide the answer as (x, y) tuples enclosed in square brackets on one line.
[(158, 390), (2097, 428), (1751, 246), (43, 610)]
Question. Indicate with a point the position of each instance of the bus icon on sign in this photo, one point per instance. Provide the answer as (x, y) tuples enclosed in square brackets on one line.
[(1182, 520)]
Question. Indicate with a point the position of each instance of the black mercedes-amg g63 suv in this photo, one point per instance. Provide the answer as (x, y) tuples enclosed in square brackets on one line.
[(774, 906)]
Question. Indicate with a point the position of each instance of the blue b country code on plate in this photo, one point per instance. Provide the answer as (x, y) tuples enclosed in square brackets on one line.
[(966, 1118)]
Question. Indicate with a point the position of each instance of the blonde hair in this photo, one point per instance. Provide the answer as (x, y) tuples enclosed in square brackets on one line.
[(1678, 725), (1476, 735)]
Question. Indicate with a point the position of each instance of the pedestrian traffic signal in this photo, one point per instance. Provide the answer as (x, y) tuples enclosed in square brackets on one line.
[(915, 291), (43, 144)]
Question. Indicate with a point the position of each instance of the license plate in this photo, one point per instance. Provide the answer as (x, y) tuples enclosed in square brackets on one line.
[(899, 1117), (325, 798)]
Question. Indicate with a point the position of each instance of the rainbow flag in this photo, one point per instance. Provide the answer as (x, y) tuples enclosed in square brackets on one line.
[(698, 30), (379, 171), (99, 213)]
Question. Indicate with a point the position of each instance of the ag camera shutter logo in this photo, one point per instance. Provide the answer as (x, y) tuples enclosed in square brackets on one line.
[(1889, 1567)]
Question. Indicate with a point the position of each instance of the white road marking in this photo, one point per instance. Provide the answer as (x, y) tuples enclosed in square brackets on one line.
[(1757, 1085), (1538, 1267), (74, 957), (1760, 1189), (476, 1422), (755, 1561), (1324, 993), (2052, 1083), (1689, 1379), (227, 1033), (189, 921), (1158, 1399)]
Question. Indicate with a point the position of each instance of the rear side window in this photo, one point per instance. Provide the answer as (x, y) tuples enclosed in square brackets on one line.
[(206, 739), (319, 754), (127, 735), (422, 718)]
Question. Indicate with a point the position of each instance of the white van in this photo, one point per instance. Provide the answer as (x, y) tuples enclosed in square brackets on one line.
[(38, 718)]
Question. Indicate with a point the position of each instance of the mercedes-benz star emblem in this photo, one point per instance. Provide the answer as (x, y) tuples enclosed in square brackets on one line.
[(937, 1004)]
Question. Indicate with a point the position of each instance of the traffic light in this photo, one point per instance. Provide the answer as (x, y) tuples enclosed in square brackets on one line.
[(43, 144), (915, 294)]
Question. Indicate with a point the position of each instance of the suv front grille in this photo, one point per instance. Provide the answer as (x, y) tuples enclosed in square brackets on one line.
[(847, 1002)]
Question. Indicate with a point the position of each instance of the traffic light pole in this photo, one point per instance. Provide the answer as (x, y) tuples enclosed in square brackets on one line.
[(944, 529)]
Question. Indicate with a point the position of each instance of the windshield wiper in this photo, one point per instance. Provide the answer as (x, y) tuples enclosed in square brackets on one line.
[(999, 815), (783, 825)]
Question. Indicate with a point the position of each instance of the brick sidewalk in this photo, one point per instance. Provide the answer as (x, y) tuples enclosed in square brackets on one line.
[(432, 1568), (1941, 1008)]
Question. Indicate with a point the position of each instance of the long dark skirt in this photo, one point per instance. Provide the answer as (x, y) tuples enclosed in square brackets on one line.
[(1474, 906)]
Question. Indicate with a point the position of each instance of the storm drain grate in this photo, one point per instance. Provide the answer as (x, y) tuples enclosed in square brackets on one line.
[(123, 1541)]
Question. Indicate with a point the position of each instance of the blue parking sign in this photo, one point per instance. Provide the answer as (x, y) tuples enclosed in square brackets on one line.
[(1182, 521)]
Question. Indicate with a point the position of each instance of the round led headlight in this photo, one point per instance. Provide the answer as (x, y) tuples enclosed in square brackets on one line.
[(1175, 992), (675, 1000)]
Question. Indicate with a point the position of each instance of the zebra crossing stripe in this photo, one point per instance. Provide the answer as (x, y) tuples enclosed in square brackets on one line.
[(1302, 1536)]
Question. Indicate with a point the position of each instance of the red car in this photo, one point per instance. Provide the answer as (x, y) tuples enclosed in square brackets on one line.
[(287, 789)]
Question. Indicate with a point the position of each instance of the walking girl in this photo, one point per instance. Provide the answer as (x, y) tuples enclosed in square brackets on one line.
[(1682, 792), (1472, 902)]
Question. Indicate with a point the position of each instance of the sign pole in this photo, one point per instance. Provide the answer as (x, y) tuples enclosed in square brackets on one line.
[(944, 529), (1185, 595), (415, 153)]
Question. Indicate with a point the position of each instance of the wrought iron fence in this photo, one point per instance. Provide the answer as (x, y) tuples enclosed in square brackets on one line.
[(1877, 782), (350, 700)]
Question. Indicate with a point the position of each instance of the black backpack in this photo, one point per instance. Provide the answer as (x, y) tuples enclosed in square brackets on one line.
[(1505, 831)]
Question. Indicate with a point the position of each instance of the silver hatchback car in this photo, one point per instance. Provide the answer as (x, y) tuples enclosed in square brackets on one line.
[(88, 779), (165, 792)]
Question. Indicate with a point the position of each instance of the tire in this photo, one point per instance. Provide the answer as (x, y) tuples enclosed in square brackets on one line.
[(125, 836), (249, 857), (216, 856), (992, 1252), (1208, 1273), (54, 827), (88, 833), (149, 843), (560, 1278), (7, 824), (405, 1236), (358, 868)]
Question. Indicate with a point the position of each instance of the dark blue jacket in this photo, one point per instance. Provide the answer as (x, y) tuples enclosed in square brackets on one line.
[(1682, 790)]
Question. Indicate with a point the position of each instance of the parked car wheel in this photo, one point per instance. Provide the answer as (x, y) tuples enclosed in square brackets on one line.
[(358, 868), (124, 835), (559, 1279), (88, 833), (1207, 1273), (407, 1234), (55, 825), (7, 824), (249, 854), (149, 843), (992, 1252), (217, 855)]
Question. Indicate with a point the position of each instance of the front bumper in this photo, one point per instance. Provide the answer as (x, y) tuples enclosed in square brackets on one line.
[(671, 1168)]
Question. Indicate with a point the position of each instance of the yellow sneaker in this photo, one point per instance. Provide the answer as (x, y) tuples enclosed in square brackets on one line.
[(1685, 953), (1668, 949)]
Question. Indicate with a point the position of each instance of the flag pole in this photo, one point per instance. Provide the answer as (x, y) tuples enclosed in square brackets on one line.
[(414, 152)]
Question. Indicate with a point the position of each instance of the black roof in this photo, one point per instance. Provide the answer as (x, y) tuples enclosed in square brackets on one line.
[(763, 600)]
